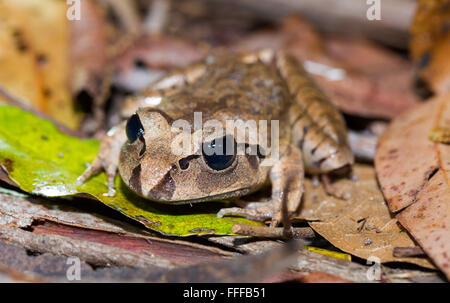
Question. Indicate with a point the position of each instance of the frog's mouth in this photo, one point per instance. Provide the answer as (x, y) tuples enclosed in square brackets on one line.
[(220, 197)]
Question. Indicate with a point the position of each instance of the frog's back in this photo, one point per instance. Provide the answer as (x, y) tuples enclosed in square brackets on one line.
[(232, 89)]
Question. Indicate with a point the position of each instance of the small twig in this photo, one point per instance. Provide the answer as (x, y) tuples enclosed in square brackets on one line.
[(405, 252), (363, 223), (273, 233)]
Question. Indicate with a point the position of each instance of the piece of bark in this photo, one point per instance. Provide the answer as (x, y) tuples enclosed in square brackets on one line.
[(49, 218), (309, 261), (241, 269), (8, 275), (177, 252), (306, 261), (94, 253), (42, 267)]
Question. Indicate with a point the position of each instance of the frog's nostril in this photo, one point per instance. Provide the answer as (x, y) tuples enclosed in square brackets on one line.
[(184, 164)]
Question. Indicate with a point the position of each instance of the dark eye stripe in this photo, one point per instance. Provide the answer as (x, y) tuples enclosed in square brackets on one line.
[(135, 180), (134, 128)]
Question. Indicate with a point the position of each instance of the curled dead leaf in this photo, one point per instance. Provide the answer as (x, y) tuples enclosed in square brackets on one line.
[(414, 175)]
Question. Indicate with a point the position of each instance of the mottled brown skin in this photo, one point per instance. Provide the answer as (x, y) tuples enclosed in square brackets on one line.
[(256, 86)]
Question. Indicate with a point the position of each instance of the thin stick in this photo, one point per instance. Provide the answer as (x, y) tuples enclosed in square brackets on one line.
[(405, 252), (273, 233)]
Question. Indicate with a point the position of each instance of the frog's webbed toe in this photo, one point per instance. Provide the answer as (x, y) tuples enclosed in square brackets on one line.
[(106, 160)]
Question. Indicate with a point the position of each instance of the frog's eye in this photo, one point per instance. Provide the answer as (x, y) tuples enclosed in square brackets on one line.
[(216, 154), (134, 128)]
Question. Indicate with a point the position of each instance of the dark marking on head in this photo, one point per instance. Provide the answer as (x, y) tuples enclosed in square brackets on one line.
[(144, 147), (135, 180), (184, 163), (164, 189)]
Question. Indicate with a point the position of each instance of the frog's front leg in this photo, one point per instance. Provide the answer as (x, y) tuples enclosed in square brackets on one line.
[(286, 176), (107, 158)]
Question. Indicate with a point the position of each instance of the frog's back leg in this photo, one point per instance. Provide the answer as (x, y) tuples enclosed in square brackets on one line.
[(318, 128)]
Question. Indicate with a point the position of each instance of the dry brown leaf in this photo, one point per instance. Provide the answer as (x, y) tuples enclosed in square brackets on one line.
[(28, 87), (361, 225), (33, 56), (430, 43), (414, 174), (405, 158)]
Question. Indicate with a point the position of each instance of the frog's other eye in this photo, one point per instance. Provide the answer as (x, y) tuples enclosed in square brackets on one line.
[(134, 128), (216, 154)]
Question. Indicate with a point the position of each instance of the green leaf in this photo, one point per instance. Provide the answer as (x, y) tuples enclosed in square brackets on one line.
[(43, 161)]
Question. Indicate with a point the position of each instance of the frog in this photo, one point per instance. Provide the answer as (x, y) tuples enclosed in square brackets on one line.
[(264, 85)]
